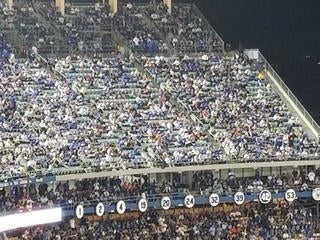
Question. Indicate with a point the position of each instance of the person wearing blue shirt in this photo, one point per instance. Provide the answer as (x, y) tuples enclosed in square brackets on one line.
[(5, 54)]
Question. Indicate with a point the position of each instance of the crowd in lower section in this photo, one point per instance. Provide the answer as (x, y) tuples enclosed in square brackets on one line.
[(278, 220), (17, 199)]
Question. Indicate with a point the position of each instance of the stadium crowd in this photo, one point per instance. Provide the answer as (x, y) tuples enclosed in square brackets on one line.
[(24, 20), (98, 113), (131, 24), (104, 114), (113, 189), (278, 220), (185, 30), (245, 116), (147, 28)]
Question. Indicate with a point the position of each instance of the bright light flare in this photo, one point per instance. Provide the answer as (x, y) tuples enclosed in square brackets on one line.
[(27, 219)]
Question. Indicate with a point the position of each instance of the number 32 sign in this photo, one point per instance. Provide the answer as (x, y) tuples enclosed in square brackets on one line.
[(214, 200)]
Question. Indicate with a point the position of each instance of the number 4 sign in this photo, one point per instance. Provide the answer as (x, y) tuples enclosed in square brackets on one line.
[(121, 207)]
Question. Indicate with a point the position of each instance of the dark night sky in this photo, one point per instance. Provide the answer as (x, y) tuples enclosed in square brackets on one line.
[(286, 31)]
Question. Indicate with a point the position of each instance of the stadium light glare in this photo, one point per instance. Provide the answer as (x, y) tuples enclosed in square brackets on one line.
[(28, 219)]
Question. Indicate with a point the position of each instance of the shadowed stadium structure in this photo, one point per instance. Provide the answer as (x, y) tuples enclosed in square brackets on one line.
[(133, 115)]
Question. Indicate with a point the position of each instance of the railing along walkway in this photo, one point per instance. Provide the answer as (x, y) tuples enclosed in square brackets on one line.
[(292, 99)]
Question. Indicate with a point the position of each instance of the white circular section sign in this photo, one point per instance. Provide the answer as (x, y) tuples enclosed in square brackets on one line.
[(316, 194), (100, 209), (142, 205), (290, 195), (265, 196), (121, 207), (189, 201), (239, 198), (165, 203), (214, 199), (79, 211)]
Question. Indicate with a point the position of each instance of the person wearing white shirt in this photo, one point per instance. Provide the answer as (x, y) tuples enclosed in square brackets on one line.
[(311, 176), (136, 41)]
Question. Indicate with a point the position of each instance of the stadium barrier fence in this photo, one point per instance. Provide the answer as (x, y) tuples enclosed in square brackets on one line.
[(167, 201), (177, 200), (289, 93)]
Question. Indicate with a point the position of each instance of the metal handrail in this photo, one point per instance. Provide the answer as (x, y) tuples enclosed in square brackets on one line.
[(63, 174), (292, 97)]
